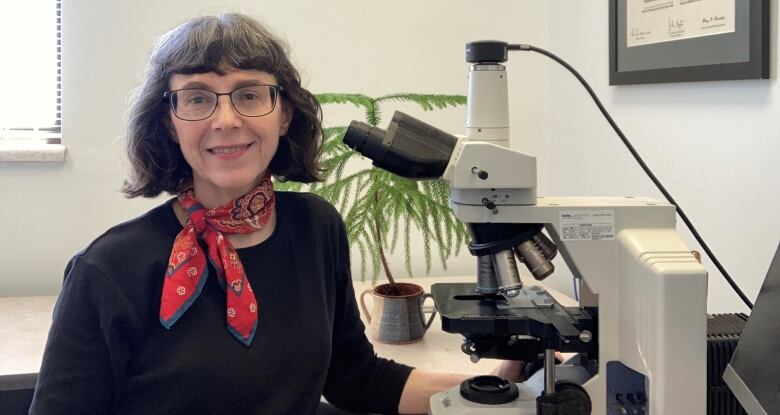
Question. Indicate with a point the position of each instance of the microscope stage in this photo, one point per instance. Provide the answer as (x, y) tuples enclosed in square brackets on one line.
[(465, 311)]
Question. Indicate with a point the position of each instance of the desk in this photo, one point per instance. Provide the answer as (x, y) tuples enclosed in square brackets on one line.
[(25, 322), (24, 327)]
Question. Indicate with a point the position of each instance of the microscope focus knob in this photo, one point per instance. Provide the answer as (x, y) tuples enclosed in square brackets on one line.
[(470, 349), (482, 174), (568, 399), (488, 203)]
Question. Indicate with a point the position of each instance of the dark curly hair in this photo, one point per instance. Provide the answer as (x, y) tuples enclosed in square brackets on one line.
[(212, 44)]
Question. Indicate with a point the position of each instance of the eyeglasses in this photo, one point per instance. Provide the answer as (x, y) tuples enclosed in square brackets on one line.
[(195, 104)]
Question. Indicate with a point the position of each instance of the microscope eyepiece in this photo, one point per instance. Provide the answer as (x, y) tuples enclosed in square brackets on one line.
[(409, 148), (365, 139)]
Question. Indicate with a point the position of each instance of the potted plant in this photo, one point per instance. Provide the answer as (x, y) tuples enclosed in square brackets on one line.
[(380, 208)]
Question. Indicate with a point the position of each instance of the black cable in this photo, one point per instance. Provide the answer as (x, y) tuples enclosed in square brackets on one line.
[(642, 164)]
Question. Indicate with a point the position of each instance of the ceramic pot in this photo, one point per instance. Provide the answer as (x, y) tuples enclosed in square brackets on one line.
[(398, 315)]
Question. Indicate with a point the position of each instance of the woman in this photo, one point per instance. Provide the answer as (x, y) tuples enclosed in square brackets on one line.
[(229, 298)]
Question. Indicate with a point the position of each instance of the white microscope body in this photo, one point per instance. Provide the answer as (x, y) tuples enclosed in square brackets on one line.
[(639, 332), (650, 292)]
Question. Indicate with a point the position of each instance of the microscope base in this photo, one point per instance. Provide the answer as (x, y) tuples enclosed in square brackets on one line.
[(451, 402)]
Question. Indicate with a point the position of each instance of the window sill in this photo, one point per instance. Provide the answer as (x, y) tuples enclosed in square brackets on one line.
[(31, 152)]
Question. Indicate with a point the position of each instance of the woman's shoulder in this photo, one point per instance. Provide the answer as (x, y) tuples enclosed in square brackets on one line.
[(309, 214), (308, 204), (145, 236)]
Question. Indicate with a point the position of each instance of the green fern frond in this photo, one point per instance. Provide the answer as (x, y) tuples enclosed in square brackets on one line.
[(362, 249), (329, 133), (372, 199), (395, 214), (332, 139), (427, 102), (373, 115), (358, 100)]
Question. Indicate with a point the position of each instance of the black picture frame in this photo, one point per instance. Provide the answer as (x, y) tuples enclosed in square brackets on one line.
[(751, 39)]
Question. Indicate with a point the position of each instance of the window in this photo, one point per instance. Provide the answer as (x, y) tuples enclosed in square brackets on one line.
[(30, 74)]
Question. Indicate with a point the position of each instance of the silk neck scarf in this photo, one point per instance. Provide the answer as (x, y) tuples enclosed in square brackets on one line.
[(188, 265)]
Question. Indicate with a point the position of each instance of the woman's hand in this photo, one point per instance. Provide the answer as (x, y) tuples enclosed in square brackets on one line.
[(511, 370)]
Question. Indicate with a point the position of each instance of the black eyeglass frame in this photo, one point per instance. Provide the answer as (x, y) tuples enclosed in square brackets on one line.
[(278, 90)]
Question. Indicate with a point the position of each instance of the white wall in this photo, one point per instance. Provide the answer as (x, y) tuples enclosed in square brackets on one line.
[(714, 145), (50, 211)]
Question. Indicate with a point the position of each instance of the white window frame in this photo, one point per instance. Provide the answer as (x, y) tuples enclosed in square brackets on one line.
[(38, 144)]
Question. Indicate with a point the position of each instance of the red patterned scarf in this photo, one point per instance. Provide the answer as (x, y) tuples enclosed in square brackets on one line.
[(187, 267)]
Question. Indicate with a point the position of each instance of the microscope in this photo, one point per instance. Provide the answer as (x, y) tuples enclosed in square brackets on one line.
[(637, 336)]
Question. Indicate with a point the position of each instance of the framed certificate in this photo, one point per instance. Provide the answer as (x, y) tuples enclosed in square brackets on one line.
[(656, 41)]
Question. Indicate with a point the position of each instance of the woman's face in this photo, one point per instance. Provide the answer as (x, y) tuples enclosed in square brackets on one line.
[(228, 152)]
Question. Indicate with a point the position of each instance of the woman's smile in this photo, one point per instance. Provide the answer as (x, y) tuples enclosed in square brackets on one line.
[(229, 152)]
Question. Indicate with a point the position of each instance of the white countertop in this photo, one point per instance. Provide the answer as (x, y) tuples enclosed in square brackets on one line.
[(25, 322), (24, 327)]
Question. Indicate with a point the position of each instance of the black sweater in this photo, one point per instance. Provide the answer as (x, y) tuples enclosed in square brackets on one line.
[(108, 353)]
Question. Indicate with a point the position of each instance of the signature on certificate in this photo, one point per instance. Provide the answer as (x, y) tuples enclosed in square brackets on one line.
[(639, 32), (713, 19), (676, 26)]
